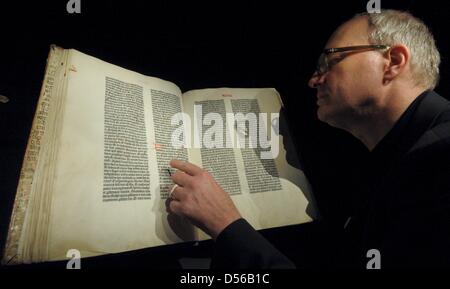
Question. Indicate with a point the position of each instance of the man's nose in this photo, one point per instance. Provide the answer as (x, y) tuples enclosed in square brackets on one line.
[(316, 80)]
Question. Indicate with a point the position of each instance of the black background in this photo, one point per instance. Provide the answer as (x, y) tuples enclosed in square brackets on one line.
[(198, 44)]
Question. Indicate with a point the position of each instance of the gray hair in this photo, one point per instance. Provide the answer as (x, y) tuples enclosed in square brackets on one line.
[(392, 27)]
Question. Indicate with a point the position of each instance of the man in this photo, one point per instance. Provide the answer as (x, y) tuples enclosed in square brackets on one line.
[(374, 80)]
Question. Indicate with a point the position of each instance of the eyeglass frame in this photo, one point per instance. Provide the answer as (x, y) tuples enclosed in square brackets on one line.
[(323, 65)]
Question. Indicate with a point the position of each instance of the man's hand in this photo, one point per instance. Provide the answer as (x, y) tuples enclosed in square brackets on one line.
[(198, 197)]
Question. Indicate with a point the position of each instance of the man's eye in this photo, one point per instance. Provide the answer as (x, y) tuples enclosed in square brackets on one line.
[(335, 61)]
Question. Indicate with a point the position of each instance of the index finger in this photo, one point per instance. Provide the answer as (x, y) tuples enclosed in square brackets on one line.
[(186, 167)]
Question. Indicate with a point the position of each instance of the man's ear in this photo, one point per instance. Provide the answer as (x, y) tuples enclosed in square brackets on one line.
[(399, 57)]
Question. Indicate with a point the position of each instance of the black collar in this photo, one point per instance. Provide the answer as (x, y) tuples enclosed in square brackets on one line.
[(413, 123)]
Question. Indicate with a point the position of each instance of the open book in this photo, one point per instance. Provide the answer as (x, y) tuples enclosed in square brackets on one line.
[(95, 175)]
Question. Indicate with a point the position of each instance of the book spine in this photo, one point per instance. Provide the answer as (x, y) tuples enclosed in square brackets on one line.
[(11, 251)]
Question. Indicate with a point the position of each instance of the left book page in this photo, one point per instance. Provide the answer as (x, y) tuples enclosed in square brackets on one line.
[(105, 167)]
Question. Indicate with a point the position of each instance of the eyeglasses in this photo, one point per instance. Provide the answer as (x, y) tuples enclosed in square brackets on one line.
[(324, 64)]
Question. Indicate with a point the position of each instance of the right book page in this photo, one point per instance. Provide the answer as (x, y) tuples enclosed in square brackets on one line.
[(236, 135)]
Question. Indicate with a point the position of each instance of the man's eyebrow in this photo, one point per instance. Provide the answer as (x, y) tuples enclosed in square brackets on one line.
[(338, 56)]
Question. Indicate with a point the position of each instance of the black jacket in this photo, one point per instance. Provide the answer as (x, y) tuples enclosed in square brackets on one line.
[(406, 214)]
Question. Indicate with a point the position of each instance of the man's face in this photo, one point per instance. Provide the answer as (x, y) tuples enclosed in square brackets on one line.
[(349, 89)]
